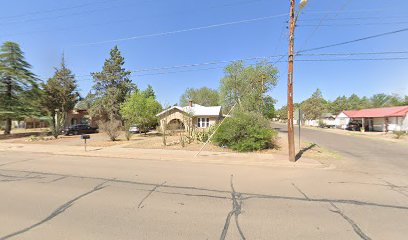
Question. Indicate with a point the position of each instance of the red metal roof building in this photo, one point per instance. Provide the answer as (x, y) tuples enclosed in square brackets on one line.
[(378, 112), (378, 119)]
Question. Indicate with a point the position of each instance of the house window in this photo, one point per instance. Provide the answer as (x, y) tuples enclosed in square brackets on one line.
[(203, 122)]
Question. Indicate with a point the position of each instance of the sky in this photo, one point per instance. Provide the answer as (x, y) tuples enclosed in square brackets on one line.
[(167, 33)]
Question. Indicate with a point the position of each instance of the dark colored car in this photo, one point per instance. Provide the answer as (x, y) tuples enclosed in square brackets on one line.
[(354, 126), (80, 129)]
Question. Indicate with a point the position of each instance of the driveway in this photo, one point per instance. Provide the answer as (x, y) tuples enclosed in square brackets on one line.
[(365, 153)]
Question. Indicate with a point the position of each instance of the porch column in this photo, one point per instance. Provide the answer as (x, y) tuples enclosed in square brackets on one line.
[(363, 124)]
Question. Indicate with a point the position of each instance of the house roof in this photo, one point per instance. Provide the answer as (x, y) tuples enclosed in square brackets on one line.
[(327, 115), (196, 110), (378, 112)]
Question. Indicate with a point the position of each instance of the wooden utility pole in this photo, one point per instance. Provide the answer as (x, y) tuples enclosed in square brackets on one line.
[(291, 135)]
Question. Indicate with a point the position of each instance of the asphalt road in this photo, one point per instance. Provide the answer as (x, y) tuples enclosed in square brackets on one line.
[(377, 155), (45, 196)]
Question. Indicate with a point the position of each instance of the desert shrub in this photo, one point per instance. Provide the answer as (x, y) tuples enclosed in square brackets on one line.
[(399, 134), (111, 128), (203, 136), (245, 132), (128, 134)]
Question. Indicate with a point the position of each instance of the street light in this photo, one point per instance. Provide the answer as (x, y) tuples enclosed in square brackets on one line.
[(302, 4), (292, 23)]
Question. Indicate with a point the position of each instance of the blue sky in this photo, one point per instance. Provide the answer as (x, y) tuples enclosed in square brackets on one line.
[(46, 28)]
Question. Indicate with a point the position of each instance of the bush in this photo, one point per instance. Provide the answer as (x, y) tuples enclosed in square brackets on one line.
[(246, 132), (322, 124), (203, 136), (128, 134), (399, 134), (111, 128)]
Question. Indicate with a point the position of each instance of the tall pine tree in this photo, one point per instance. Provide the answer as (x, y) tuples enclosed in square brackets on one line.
[(60, 96), (111, 87), (19, 90)]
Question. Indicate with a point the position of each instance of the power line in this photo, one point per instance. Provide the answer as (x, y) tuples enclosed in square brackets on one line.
[(57, 9), (279, 58), (235, 3), (355, 40), (353, 59), (181, 31), (353, 24), (351, 18), (321, 23), (353, 53)]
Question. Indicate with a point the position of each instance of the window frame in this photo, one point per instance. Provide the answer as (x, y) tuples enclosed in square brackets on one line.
[(203, 122)]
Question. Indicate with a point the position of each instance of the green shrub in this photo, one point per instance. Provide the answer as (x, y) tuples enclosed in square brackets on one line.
[(203, 136), (245, 132)]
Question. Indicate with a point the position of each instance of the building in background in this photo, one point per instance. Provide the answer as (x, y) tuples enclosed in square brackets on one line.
[(376, 119)]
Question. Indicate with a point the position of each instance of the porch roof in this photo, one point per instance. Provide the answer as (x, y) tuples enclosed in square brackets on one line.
[(196, 110)]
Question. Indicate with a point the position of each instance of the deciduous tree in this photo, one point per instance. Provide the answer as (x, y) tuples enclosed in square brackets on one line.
[(246, 86), (204, 96), (141, 111)]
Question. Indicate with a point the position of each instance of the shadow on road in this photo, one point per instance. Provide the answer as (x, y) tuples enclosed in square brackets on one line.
[(305, 149)]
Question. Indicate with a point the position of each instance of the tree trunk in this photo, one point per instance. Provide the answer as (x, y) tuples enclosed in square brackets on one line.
[(7, 129)]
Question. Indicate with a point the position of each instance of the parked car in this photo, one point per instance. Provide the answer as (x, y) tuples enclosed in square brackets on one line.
[(80, 129), (354, 126), (134, 129)]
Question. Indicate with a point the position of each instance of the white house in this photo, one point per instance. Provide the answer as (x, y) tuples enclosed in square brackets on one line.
[(376, 119), (199, 117)]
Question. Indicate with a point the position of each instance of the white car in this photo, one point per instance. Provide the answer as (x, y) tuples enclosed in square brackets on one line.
[(134, 129)]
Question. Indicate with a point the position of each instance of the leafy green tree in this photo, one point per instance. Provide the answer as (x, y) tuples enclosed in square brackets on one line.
[(149, 92), (282, 113), (380, 100), (141, 111), (19, 91), (111, 87), (396, 100), (60, 96), (246, 86), (314, 106), (268, 110), (339, 105), (354, 102), (365, 103), (204, 96)]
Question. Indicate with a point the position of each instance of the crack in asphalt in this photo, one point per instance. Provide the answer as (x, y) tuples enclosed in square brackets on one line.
[(57, 211), (13, 162), (356, 228), (247, 195), (236, 211), (13, 178), (149, 193), (55, 180), (301, 192), (395, 188)]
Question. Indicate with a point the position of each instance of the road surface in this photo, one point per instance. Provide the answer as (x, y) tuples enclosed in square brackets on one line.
[(46, 196), (377, 155)]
